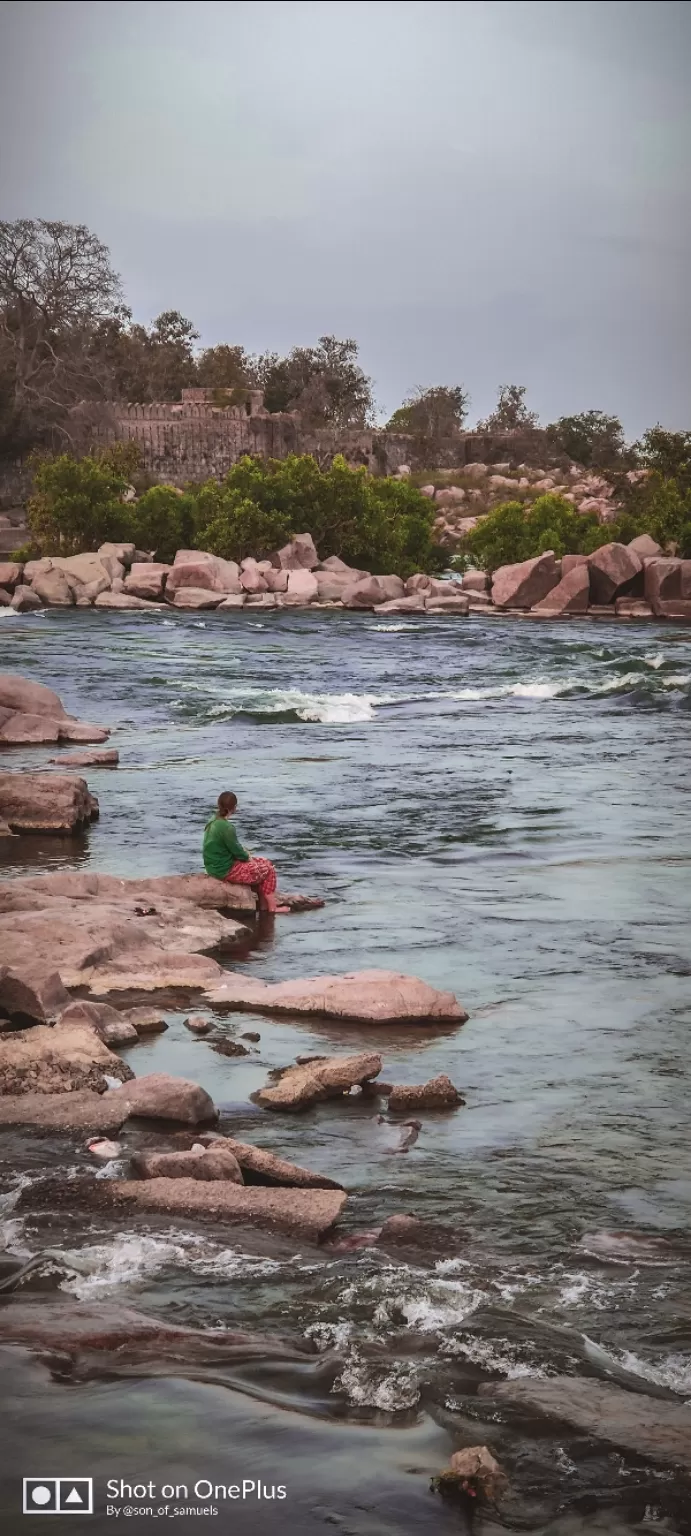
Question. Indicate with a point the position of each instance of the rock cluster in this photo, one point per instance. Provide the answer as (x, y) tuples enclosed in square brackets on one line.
[(633, 581), (462, 496)]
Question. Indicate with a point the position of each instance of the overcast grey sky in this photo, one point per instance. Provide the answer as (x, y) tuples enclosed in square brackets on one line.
[(478, 192)]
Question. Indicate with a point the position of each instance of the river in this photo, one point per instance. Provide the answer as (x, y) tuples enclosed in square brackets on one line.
[(502, 808)]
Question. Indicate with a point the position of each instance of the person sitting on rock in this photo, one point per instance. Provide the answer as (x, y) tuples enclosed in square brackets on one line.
[(226, 859)]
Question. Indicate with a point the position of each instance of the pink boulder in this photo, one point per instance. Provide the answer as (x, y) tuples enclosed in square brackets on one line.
[(662, 581), (31, 698), (299, 555), (613, 570), (198, 569), (147, 579), (303, 587), (525, 584), (10, 573), (645, 547), (571, 595)]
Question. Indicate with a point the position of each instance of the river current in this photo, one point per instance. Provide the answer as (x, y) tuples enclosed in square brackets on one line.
[(502, 808)]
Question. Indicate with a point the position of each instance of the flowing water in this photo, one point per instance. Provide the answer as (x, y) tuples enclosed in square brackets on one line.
[(501, 808)]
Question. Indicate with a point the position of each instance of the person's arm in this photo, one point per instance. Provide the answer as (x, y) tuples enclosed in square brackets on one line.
[(233, 844)]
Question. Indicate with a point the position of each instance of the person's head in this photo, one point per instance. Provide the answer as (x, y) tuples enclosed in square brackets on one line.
[(227, 803)]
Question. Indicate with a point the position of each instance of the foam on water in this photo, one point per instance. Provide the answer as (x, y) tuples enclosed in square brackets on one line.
[(130, 1258), (325, 708), (370, 1385)]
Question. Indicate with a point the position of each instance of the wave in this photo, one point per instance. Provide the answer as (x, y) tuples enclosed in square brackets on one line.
[(324, 708), (128, 1258), (367, 1384)]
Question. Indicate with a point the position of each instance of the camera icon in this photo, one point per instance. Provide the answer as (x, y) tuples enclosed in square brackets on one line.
[(58, 1496)]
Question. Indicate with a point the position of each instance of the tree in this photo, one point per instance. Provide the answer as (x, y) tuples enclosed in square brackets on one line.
[(77, 504), (325, 383), (145, 364), (669, 453), (432, 413), (511, 413), (56, 285), (592, 439), (223, 367)]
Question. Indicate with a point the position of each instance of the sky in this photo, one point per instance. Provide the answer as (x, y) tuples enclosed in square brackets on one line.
[(479, 192)]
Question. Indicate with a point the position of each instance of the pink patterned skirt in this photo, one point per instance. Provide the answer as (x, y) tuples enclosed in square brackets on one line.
[(259, 873)]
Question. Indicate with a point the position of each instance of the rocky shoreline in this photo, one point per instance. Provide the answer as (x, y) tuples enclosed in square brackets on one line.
[(635, 581)]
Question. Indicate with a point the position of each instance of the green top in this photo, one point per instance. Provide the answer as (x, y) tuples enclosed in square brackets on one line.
[(222, 847)]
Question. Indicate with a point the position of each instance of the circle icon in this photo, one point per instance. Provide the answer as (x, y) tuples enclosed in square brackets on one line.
[(41, 1495)]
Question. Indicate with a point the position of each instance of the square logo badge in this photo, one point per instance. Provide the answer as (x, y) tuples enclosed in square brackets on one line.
[(58, 1496)]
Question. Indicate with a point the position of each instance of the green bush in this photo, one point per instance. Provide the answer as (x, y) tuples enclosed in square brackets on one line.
[(374, 524), (511, 532), (164, 521), (76, 504)]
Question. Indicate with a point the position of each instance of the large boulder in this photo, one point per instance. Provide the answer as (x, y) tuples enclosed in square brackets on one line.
[(111, 1026), (370, 997), (253, 580), (161, 1097), (662, 582), (45, 802), (475, 581), (124, 553), (571, 594), (276, 581), (58, 1058), (324, 1077), (613, 571), (571, 563), (35, 730), (332, 584), (25, 600), (120, 600), (413, 603), (453, 603), (198, 569), (525, 584), (147, 579), (651, 1427), (438, 1093), (10, 573), (299, 555), (53, 589), (195, 597), (303, 587), (216, 1163), (31, 994), (29, 697), (82, 568), (371, 591), (645, 547)]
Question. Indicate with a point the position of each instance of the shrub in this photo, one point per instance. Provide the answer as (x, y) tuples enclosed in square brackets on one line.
[(76, 504), (163, 521)]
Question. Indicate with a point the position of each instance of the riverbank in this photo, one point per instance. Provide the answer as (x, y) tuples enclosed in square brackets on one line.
[(635, 581), (503, 813)]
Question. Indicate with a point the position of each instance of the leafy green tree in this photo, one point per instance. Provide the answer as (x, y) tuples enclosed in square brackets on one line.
[(164, 521), (76, 504), (223, 368), (592, 439)]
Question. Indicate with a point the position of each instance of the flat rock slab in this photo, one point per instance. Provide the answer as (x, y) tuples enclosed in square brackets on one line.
[(628, 1420), (111, 936), (368, 997), (108, 759), (265, 1167), (73, 1111), (309, 1213)]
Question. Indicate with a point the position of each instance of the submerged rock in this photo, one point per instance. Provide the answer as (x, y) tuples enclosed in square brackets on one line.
[(109, 759), (328, 1077), (73, 1327), (630, 1421), (306, 1213), (197, 1024), (379, 997)]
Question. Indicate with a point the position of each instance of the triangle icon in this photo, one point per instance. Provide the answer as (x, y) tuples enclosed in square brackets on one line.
[(74, 1497)]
